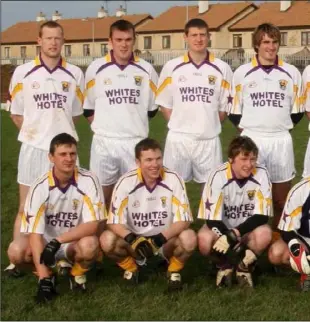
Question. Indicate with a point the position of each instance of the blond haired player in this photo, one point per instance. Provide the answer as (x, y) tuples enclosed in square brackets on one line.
[(236, 204), (60, 221), (45, 100), (149, 215), (193, 92), (120, 94), (267, 95), (294, 246), (306, 83)]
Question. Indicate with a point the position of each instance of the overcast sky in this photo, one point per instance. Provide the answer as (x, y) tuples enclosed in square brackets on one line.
[(15, 11)]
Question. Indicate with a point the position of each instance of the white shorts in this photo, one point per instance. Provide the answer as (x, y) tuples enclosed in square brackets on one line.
[(191, 158), (111, 158), (276, 153), (306, 172), (32, 163)]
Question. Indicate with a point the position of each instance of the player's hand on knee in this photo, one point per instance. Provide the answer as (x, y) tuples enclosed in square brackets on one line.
[(140, 245), (46, 290), (157, 242), (48, 256), (225, 242)]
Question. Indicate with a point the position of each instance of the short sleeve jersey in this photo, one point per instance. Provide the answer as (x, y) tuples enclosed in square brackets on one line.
[(147, 211), (121, 96), (196, 94), (51, 210), (231, 200), (296, 213), (47, 100), (306, 86), (266, 98)]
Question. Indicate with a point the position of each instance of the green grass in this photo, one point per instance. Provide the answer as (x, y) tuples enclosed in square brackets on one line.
[(276, 296)]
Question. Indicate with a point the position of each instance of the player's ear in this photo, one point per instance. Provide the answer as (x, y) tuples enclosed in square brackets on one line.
[(51, 158), (39, 41), (138, 163), (230, 160)]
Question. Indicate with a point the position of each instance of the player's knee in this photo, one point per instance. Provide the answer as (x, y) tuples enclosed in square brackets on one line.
[(16, 253), (88, 247), (188, 240), (262, 236), (276, 253), (205, 240), (108, 241)]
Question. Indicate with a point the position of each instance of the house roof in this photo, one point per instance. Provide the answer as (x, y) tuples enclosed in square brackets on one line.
[(75, 29), (298, 15), (174, 18)]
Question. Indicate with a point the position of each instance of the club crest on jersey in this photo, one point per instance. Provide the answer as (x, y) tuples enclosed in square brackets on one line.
[(283, 83), (75, 204), (107, 81), (138, 80), (163, 202), (35, 85), (212, 79), (65, 86), (136, 204), (251, 194)]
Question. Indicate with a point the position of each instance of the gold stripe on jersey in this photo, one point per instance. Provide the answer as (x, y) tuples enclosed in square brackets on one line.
[(225, 84), (166, 82), (261, 201), (38, 216), (153, 87), (254, 62), (229, 172), (51, 181), (218, 206), (294, 213), (76, 174), (79, 94), (211, 57), (24, 221), (177, 202), (37, 61), (280, 62), (108, 58), (186, 58), (90, 84), (63, 63), (18, 87), (90, 207), (121, 209)]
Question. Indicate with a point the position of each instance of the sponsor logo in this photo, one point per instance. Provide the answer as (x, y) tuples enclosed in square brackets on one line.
[(182, 79), (138, 80), (251, 194), (136, 204), (65, 86), (35, 85), (107, 81), (212, 79), (283, 84)]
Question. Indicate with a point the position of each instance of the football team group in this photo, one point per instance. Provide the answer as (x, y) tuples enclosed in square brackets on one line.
[(132, 204)]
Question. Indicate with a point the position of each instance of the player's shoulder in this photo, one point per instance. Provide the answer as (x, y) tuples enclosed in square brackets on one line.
[(86, 176), (261, 171), (144, 64), (301, 187), (243, 69), (218, 174), (23, 69), (75, 70), (291, 69), (128, 180), (307, 71), (171, 177), (41, 184), (219, 62), (96, 64), (171, 64)]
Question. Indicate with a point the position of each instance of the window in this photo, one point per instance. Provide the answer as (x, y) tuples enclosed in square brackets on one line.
[(7, 52), (148, 42), (283, 41), (166, 42), (305, 38), (86, 50), (237, 41), (68, 50), (23, 51), (104, 49), (38, 48)]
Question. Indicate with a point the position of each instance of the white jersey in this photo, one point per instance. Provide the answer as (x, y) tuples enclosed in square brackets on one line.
[(47, 100), (296, 212), (306, 86), (196, 95), (266, 98), (52, 211), (121, 96), (147, 211), (233, 201)]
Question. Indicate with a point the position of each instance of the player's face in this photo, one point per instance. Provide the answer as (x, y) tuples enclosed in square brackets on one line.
[(51, 42), (197, 39), (122, 43), (150, 162), (64, 158), (243, 165), (268, 50)]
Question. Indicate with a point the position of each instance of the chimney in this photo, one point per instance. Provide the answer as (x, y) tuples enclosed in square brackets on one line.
[(40, 17), (56, 15), (102, 13), (203, 6), (285, 5), (120, 12)]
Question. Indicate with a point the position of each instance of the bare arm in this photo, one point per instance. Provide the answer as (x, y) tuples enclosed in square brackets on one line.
[(119, 230), (76, 233), (90, 119), (17, 120), (222, 116), (175, 229), (37, 246), (308, 115), (166, 113)]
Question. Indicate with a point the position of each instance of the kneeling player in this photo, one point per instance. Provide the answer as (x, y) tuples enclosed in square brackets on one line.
[(236, 204), (149, 215), (61, 216), (294, 246)]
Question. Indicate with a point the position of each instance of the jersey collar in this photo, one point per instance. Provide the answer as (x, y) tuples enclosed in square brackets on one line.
[(241, 182), (158, 182), (208, 59), (39, 62), (110, 58), (256, 63), (54, 182)]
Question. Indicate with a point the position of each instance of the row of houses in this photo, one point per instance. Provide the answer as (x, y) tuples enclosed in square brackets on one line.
[(231, 26)]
